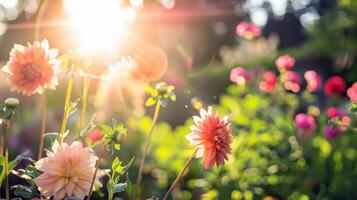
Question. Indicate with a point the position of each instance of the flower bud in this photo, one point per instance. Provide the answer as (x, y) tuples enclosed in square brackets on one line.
[(162, 88), (122, 137), (12, 102)]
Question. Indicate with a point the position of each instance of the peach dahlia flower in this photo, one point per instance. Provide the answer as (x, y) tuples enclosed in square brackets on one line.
[(31, 68), (211, 134), (67, 171)]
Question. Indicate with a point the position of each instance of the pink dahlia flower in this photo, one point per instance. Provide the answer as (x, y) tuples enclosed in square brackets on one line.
[(333, 112), (212, 135), (240, 76), (95, 135), (285, 62), (305, 123), (291, 81), (67, 171), (313, 81), (31, 69), (331, 132), (352, 92), (269, 82), (248, 30)]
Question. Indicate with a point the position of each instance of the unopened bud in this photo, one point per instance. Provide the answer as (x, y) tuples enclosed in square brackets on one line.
[(12, 102), (122, 137)]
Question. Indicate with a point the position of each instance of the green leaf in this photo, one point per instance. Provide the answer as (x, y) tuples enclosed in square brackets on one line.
[(11, 166), (120, 187), (116, 166), (73, 107), (150, 102), (117, 147), (27, 192)]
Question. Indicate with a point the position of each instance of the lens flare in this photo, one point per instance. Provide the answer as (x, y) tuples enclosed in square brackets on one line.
[(99, 25)]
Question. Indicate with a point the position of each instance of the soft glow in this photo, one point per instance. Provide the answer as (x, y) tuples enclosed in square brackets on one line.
[(99, 25)]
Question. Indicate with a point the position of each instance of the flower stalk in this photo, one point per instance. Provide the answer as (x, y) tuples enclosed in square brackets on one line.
[(66, 108), (43, 125), (146, 148), (6, 127), (188, 162), (100, 153), (86, 84)]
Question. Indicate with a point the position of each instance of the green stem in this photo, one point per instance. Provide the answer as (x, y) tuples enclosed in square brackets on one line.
[(110, 195), (147, 144), (66, 108), (188, 162), (86, 84), (101, 149), (43, 125), (6, 127)]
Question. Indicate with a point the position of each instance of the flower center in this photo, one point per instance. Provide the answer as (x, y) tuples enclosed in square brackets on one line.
[(30, 72), (221, 139)]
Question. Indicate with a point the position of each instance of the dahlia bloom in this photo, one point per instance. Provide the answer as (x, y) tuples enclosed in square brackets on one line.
[(269, 82), (212, 135), (352, 92), (240, 76), (151, 63), (285, 62), (291, 81), (313, 81), (335, 86), (67, 171), (331, 132), (248, 30), (305, 123), (31, 69)]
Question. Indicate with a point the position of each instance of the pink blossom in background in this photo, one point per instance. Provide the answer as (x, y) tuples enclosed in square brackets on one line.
[(291, 81), (212, 135), (31, 68), (333, 112), (335, 86), (313, 81), (305, 123), (67, 171), (331, 132), (269, 82), (285, 62), (248, 30), (240, 76), (352, 92)]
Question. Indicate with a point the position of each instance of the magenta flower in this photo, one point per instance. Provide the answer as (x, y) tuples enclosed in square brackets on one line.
[(240, 76), (248, 30), (352, 92), (291, 81), (331, 132), (285, 62), (269, 82), (313, 81), (305, 123)]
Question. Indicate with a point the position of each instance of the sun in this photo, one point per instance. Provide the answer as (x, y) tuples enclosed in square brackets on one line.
[(99, 25)]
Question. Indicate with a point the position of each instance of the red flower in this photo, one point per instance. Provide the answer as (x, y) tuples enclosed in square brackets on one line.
[(31, 69), (285, 62), (240, 76), (248, 30), (211, 134), (333, 112), (335, 86), (95, 135), (291, 81), (269, 82), (313, 81), (352, 92)]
